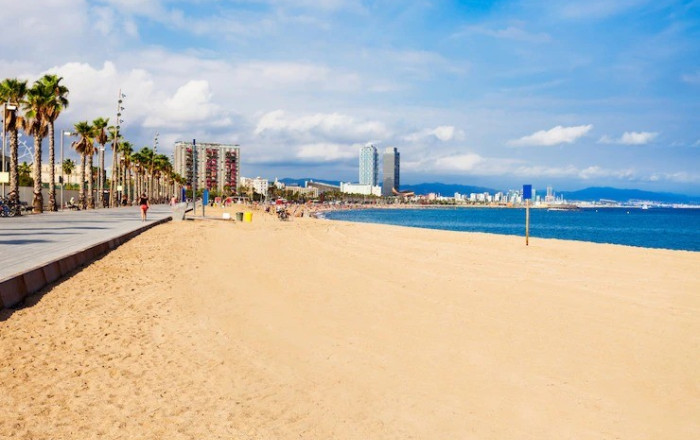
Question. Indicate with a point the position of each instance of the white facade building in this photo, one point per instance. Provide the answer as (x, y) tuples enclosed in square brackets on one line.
[(260, 185), (357, 188)]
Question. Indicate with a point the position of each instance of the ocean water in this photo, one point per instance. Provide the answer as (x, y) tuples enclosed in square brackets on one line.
[(664, 228)]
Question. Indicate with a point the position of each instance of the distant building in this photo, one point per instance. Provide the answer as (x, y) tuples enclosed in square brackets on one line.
[(322, 187), (260, 185), (72, 178), (218, 165), (369, 165), (365, 190), (309, 191), (390, 167)]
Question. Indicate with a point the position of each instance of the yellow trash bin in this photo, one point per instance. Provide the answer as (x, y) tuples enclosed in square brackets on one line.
[(248, 217)]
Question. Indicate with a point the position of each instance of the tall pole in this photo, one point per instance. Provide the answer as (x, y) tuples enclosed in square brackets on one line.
[(113, 199), (527, 222), (194, 177), (4, 139), (63, 182)]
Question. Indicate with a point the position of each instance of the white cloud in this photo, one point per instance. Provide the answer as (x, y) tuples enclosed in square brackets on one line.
[(554, 136), (444, 133), (462, 162), (508, 33), (282, 75), (571, 171), (320, 125), (327, 152), (630, 138), (677, 177), (191, 104)]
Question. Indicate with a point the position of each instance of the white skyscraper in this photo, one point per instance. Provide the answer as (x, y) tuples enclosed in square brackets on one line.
[(369, 167)]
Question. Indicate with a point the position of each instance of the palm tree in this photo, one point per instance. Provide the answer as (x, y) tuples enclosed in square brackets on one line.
[(101, 138), (13, 91), (125, 150), (24, 172), (147, 165), (162, 168), (84, 147), (35, 125), (53, 109), (68, 167), (137, 165), (90, 155)]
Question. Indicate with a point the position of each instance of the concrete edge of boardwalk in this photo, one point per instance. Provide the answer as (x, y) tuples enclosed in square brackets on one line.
[(15, 288)]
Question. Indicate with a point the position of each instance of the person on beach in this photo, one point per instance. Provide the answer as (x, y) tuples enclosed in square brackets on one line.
[(143, 203)]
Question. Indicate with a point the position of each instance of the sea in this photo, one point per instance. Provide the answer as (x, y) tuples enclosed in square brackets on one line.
[(665, 228)]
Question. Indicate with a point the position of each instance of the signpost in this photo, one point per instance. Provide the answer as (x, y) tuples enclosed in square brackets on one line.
[(194, 177), (527, 196), (205, 200)]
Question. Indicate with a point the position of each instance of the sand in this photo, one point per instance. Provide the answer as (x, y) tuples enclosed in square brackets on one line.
[(316, 329)]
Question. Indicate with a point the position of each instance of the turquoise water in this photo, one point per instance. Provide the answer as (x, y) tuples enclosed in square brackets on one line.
[(653, 228)]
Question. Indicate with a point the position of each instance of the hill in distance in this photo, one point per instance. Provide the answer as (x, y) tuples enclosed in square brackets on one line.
[(626, 195)]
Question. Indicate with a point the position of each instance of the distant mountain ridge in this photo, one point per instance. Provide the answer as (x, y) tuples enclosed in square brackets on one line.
[(626, 195), (590, 194)]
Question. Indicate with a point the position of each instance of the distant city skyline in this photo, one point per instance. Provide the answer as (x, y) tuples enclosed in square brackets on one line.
[(494, 94)]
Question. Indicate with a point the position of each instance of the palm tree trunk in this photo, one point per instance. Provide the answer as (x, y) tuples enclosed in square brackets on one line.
[(90, 197), (38, 201), (52, 171), (14, 167), (81, 182), (125, 186)]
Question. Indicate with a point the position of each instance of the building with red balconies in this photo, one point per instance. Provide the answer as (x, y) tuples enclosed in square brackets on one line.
[(218, 165)]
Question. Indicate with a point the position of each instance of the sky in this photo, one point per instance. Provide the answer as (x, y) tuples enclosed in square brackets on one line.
[(494, 93)]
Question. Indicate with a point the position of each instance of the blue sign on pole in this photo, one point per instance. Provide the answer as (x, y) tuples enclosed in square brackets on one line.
[(527, 192), (205, 197), (183, 194)]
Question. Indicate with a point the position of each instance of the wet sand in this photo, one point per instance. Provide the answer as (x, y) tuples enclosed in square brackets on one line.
[(317, 329)]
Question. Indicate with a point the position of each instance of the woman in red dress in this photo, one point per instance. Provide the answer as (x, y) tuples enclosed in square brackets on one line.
[(143, 202)]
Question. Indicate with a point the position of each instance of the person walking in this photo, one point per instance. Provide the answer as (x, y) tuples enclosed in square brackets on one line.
[(143, 203)]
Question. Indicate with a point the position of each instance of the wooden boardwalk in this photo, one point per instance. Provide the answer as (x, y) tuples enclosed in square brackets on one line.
[(31, 243)]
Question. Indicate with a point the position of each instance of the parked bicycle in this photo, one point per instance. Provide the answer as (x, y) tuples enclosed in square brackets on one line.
[(9, 208)]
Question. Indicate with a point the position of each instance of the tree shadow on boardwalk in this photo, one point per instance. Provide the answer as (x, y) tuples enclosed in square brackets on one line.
[(23, 241)]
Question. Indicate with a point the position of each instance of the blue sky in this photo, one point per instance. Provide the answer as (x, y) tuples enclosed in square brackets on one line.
[(562, 93)]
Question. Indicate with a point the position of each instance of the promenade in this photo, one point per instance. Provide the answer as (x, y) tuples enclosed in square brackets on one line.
[(38, 249)]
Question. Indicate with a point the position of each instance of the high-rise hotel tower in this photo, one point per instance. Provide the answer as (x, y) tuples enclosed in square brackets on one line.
[(369, 165), (390, 167)]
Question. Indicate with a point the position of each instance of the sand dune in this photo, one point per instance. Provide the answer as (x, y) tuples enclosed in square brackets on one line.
[(317, 329)]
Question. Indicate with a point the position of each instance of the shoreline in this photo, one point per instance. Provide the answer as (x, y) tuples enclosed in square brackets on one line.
[(322, 215)]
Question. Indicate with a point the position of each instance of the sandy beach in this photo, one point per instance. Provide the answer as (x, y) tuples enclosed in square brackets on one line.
[(316, 329)]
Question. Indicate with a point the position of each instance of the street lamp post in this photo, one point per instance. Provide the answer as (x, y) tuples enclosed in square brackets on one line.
[(4, 138), (102, 176)]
